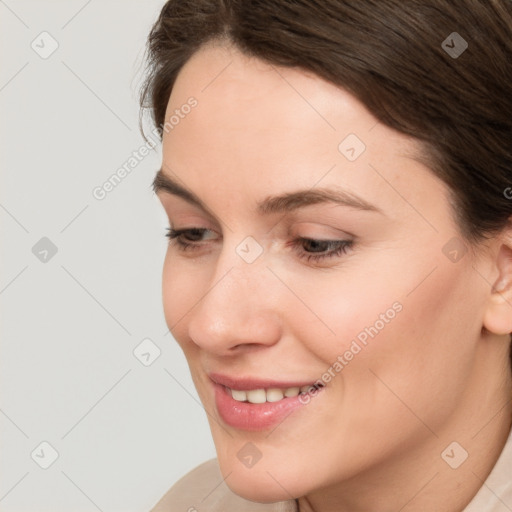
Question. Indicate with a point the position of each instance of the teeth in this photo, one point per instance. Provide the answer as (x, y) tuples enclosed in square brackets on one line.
[(292, 392), (256, 396), (241, 396), (274, 395), (260, 396)]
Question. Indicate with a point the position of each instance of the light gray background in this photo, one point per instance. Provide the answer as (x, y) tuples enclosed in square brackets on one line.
[(124, 432)]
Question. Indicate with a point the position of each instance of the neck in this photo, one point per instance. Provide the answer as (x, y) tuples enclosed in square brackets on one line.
[(421, 479)]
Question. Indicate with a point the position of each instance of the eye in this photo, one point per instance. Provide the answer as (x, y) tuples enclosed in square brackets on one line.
[(316, 250), (186, 238), (322, 249)]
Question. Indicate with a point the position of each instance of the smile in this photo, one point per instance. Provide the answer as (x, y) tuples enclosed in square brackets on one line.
[(256, 404), (260, 396)]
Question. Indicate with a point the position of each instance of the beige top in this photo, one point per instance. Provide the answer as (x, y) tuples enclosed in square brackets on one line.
[(203, 490)]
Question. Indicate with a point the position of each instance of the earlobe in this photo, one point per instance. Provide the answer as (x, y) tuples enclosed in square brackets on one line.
[(498, 315), (500, 286)]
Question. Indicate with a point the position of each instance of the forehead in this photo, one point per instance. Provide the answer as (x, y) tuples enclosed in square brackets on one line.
[(259, 94), (258, 128)]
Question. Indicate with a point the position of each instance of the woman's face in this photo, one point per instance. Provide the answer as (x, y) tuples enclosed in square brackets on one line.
[(387, 314)]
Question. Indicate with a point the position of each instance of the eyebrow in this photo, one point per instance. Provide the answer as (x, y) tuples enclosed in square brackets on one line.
[(284, 203)]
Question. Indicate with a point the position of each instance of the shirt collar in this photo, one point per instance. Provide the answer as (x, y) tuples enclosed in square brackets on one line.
[(495, 495)]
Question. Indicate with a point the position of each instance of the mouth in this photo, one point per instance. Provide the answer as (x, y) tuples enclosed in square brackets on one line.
[(262, 395), (256, 404)]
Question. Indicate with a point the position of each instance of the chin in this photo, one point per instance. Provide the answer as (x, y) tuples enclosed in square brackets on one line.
[(261, 483), (260, 490)]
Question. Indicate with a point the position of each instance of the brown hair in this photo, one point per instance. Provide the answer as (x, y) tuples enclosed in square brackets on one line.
[(394, 56)]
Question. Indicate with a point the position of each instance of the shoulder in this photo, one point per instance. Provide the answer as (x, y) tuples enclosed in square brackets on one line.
[(203, 490)]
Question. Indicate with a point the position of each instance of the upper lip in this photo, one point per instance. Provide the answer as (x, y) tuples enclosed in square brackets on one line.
[(250, 383)]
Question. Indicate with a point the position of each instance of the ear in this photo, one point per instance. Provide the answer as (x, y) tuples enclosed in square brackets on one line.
[(498, 315)]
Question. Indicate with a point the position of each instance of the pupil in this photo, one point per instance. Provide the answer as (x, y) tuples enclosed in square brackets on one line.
[(317, 244)]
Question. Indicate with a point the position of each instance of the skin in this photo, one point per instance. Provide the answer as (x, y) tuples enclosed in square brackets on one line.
[(438, 372)]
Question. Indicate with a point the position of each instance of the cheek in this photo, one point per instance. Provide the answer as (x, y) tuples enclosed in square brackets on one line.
[(179, 294), (388, 334), (343, 311), (425, 358), (385, 299)]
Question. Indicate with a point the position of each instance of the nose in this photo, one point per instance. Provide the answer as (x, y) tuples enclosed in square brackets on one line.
[(239, 309)]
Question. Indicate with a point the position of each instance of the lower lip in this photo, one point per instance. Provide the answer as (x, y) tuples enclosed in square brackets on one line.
[(247, 416)]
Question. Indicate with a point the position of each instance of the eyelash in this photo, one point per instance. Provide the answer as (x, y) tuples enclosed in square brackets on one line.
[(341, 246)]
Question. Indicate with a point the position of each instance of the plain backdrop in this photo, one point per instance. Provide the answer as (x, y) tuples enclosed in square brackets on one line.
[(97, 408)]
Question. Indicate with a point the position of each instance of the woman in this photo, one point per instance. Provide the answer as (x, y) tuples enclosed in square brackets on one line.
[(337, 177)]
